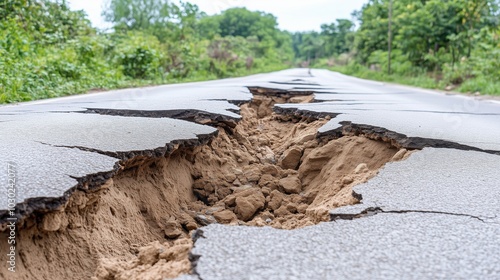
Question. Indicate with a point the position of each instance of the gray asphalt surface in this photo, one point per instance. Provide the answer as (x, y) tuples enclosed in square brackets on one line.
[(415, 113), (437, 219), (455, 182), (384, 246), (434, 215)]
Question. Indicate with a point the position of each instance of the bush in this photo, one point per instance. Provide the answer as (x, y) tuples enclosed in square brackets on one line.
[(481, 85), (140, 56), (400, 63), (47, 50)]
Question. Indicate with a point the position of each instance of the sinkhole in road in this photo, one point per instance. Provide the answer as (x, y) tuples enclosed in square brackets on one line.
[(271, 169)]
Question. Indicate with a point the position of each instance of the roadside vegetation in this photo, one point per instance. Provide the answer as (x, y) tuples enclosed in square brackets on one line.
[(47, 50), (452, 44)]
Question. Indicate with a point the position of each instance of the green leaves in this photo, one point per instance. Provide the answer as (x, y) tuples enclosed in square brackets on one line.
[(429, 32), (47, 50), (334, 39), (139, 55)]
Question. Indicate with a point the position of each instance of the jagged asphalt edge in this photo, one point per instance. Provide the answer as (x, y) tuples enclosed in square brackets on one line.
[(295, 112), (255, 90), (396, 139), (194, 258), (93, 182), (190, 115)]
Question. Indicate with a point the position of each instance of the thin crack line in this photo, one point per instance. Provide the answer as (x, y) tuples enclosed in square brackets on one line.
[(434, 212), (91, 150), (372, 211)]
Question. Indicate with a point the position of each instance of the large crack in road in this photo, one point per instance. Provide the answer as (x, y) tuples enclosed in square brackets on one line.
[(271, 168)]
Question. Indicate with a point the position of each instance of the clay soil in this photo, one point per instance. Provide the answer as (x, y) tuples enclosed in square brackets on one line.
[(270, 170)]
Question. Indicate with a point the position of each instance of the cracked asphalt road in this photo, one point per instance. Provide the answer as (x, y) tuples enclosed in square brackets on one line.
[(384, 246), (437, 212), (455, 182), (437, 219)]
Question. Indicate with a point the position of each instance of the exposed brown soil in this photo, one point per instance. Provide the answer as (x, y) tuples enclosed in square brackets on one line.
[(270, 170)]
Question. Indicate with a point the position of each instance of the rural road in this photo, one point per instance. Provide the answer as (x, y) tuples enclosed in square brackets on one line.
[(433, 215)]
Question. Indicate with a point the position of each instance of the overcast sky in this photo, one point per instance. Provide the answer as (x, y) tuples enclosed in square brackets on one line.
[(293, 15)]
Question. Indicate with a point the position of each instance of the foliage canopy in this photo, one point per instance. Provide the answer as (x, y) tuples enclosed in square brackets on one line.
[(47, 50)]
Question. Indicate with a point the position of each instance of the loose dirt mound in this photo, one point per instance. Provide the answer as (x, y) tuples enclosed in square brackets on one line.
[(273, 171), (269, 170), (154, 261)]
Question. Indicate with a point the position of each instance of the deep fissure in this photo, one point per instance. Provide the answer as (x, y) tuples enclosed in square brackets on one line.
[(270, 169)]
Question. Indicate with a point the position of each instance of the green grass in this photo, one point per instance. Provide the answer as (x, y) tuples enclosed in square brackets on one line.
[(43, 89), (480, 85)]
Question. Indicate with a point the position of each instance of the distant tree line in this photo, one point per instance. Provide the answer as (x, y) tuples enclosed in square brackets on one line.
[(454, 42), (47, 50)]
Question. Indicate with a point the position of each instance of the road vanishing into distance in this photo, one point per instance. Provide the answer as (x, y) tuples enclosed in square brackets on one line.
[(433, 215)]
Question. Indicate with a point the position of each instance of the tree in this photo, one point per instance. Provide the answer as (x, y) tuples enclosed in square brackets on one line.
[(245, 23), (162, 18), (137, 14), (338, 37), (208, 26), (308, 45), (428, 32)]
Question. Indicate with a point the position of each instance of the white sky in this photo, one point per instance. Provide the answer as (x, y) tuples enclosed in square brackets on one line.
[(293, 15)]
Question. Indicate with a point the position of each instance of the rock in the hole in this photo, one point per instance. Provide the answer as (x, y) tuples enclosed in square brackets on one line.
[(291, 184), (230, 200), (248, 203), (225, 216), (230, 177), (172, 229), (212, 210), (361, 168), (266, 191), (191, 226), (292, 208), (237, 183), (281, 212), (148, 255), (301, 99), (307, 137), (347, 180), (205, 220), (180, 248), (252, 174), (302, 208), (268, 181), (275, 200), (270, 169), (188, 222), (291, 158), (267, 156), (399, 155), (54, 221)]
